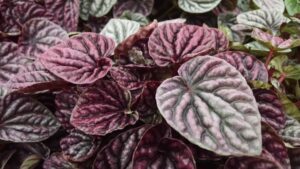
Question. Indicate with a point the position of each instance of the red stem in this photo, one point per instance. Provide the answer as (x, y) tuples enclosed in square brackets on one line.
[(269, 58), (281, 78)]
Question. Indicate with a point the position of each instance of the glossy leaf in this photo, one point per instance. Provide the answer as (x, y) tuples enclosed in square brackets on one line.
[(176, 42), (38, 35), (143, 7), (56, 161), (118, 153), (198, 6), (120, 29), (271, 5), (82, 59), (25, 120), (248, 65), (291, 132), (103, 109), (292, 6), (78, 146), (95, 8), (216, 113)]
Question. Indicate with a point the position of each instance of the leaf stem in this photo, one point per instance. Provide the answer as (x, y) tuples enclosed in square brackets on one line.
[(281, 78), (269, 58)]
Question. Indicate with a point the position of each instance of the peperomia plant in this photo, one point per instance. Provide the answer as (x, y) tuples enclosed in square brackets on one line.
[(140, 84)]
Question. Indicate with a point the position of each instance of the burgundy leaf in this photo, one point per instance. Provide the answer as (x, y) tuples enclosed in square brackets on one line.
[(294, 154), (103, 109), (38, 35), (25, 120), (78, 146), (270, 108), (177, 42), (118, 153), (250, 67), (56, 161), (66, 12), (82, 59), (136, 6)]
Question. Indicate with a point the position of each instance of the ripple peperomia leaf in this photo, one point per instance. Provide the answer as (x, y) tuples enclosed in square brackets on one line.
[(198, 6), (137, 6), (95, 8), (277, 5), (78, 146), (291, 132), (25, 120), (248, 65), (103, 109), (65, 11), (38, 35), (292, 6), (173, 43), (56, 161), (120, 29), (211, 105), (118, 153), (270, 108), (140, 18), (82, 59)]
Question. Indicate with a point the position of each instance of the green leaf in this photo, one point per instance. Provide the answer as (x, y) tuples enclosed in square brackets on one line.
[(225, 23), (95, 8), (278, 62), (289, 107), (292, 6), (198, 6), (292, 71), (140, 18), (260, 84), (277, 5), (30, 162)]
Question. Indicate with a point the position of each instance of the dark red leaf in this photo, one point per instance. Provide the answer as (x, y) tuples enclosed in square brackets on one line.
[(56, 161)]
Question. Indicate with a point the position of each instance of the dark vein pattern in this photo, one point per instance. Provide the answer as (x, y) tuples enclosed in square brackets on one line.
[(271, 5), (56, 161), (136, 6), (198, 6), (101, 7), (211, 105), (291, 132)]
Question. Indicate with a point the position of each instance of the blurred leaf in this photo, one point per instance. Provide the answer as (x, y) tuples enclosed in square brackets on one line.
[(5, 156), (292, 6), (289, 107), (30, 162)]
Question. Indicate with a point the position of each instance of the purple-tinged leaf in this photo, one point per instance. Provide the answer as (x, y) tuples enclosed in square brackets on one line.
[(25, 120), (176, 42), (294, 154), (118, 153), (103, 109), (270, 108), (137, 6), (5, 156), (38, 149), (82, 59), (56, 161), (211, 105), (78, 146), (38, 35), (250, 67), (291, 132), (65, 11)]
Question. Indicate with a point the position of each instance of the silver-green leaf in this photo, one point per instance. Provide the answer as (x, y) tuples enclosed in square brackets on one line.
[(198, 6), (277, 5)]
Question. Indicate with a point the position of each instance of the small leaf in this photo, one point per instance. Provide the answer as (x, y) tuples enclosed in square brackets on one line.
[(120, 29), (143, 7), (277, 5), (30, 162), (292, 7), (212, 106), (96, 8), (103, 109), (198, 6), (25, 120), (56, 161), (82, 59), (291, 132)]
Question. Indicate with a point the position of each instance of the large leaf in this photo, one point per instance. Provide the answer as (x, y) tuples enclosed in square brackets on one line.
[(118, 153), (103, 109), (66, 12), (291, 132), (211, 105), (78, 146), (56, 161), (173, 43), (95, 8), (198, 6), (82, 59), (25, 120), (248, 65), (120, 29), (38, 35), (137, 6), (277, 5), (292, 6)]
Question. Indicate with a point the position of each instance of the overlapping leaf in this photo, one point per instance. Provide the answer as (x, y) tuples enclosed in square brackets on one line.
[(118, 153), (176, 42), (38, 35), (82, 59), (291, 132), (103, 109), (137, 6), (30, 162), (212, 106), (95, 8), (271, 5), (25, 120), (56, 161), (292, 6), (140, 18), (5, 156), (198, 6)]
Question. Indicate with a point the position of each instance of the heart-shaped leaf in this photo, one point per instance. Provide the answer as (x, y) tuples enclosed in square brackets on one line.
[(248, 65), (78, 146), (198, 6), (137, 6), (95, 8), (82, 59), (38, 35), (292, 6), (177, 42), (211, 105), (291, 132), (65, 11), (270, 108), (25, 120), (118, 153), (56, 161), (103, 109), (277, 5)]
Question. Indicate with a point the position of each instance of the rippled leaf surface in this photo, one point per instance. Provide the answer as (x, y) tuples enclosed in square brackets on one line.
[(38, 35), (82, 59), (56, 161), (198, 6), (248, 65), (140, 18), (25, 120), (95, 8), (103, 109), (216, 113), (118, 153), (291, 132), (271, 5), (137, 6)]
